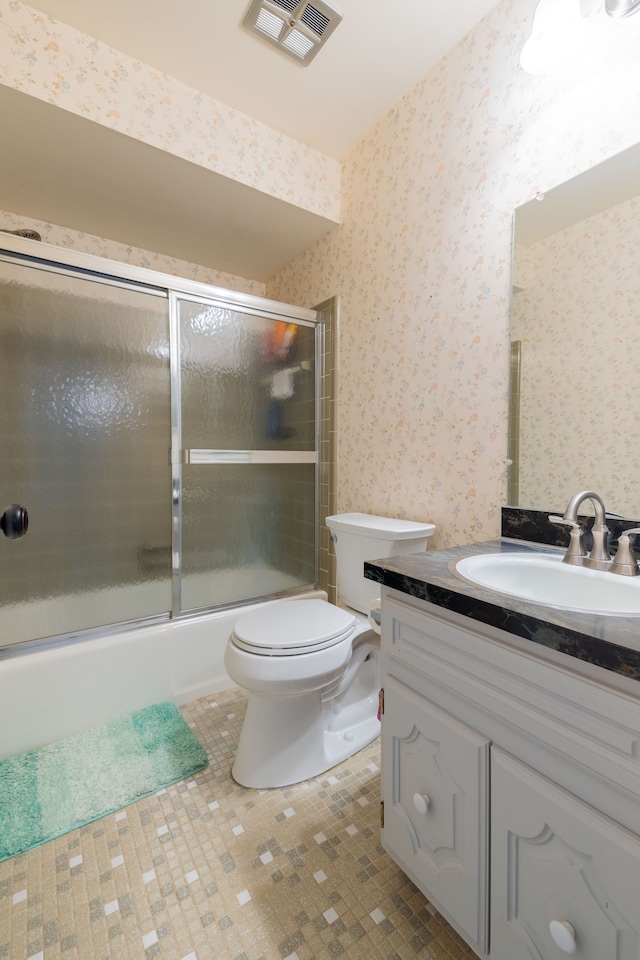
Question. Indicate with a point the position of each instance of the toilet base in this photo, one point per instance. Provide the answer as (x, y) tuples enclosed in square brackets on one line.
[(254, 767), (288, 740)]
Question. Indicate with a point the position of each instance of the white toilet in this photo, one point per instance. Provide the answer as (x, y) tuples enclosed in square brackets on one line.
[(311, 668)]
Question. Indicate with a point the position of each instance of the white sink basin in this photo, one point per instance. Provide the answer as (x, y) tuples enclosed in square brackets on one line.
[(544, 578)]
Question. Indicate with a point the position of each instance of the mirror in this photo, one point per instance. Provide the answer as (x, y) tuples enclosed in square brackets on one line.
[(574, 417)]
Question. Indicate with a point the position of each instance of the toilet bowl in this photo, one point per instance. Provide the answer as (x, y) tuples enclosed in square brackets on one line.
[(311, 668)]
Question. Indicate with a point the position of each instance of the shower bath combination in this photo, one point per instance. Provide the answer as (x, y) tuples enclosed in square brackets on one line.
[(140, 454)]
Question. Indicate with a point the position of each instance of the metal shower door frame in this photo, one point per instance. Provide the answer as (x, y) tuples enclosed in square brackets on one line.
[(50, 258), (180, 456)]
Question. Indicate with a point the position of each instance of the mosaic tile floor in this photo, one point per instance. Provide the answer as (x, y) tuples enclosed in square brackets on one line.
[(208, 870)]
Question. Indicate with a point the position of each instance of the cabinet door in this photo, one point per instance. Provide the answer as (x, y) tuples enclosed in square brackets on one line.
[(565, 879), (435, 773)]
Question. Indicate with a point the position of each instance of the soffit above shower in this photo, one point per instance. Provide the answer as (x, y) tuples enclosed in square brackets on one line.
[(98, 181), (58, 169)]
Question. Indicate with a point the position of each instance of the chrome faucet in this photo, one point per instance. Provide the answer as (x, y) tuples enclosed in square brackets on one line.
[(625, 563), (599, 558)]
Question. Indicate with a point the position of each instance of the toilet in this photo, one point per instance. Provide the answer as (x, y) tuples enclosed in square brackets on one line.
[(311, 668)]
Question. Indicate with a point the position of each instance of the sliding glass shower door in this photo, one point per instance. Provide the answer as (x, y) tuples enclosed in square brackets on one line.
[(162, 444), (247, 463), (84, 440)]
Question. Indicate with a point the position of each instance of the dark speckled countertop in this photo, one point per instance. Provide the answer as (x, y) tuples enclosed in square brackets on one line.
[(610, 642)]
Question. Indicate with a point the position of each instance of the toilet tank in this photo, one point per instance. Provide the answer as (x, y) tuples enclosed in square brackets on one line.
[(358, 537)]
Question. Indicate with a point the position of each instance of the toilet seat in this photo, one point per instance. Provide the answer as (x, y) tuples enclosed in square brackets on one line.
[(293, 628)]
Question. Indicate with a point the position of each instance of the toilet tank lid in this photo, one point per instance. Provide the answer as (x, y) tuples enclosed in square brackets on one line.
[(385, 528)]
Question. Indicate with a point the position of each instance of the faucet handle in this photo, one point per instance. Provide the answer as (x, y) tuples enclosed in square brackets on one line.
[(625, 563), (576, 552)]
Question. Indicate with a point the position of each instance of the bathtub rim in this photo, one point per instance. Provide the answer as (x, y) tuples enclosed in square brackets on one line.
[(59, 691)]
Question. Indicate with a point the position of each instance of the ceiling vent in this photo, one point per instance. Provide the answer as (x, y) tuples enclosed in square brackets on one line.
[(297, 28)]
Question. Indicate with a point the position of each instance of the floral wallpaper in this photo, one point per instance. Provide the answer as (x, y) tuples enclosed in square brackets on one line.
[(422, 267), (421, 261), (577, 318), (56, 63), (112, 250)]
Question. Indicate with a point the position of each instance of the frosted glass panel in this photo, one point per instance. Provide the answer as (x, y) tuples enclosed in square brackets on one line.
[(86, 431), (247, 381), (248, 531), (85, 434)]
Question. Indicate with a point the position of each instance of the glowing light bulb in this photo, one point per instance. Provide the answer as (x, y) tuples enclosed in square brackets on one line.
[(560, 36)]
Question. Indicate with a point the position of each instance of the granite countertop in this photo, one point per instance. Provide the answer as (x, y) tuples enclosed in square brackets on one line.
[(611, 642)]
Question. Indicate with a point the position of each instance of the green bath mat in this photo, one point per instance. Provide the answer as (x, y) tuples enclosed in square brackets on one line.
[(50, 791)]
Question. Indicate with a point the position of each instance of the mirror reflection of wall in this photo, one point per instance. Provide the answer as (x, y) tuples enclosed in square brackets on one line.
[(576, 315)]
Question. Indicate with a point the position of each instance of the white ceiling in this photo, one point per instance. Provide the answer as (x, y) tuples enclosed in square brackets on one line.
[(377, 53)]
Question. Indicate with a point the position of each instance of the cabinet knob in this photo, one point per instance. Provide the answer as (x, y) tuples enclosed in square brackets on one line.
[(564, 935), (422, 802)]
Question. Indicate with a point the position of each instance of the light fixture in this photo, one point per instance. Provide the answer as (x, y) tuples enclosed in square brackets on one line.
[(571, 31), (604, 11), (560, 35), (619, 9), (298, 28)]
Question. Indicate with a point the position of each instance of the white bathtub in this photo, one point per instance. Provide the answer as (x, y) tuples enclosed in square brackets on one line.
[(47, 695)]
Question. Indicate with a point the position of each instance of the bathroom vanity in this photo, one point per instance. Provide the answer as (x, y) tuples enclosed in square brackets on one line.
[(511, 760)]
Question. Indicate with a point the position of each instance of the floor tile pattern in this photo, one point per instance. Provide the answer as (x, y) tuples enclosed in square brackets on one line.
[(209, 870)]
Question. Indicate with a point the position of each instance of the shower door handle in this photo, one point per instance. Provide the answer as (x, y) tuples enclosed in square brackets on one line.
[(14, 521), (250, 456)]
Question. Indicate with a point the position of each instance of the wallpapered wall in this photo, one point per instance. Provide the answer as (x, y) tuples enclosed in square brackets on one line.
[(421, 264), (578, 319), (56, 63), (112, 250)]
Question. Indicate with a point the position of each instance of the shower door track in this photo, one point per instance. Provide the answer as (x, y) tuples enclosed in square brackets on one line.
[(15, 249)]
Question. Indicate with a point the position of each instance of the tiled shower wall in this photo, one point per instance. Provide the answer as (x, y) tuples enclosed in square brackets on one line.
[(329, 444)]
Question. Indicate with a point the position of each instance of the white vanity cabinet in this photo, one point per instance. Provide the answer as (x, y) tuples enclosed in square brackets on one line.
[(436, 820), (487, 745), (566, 880)]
